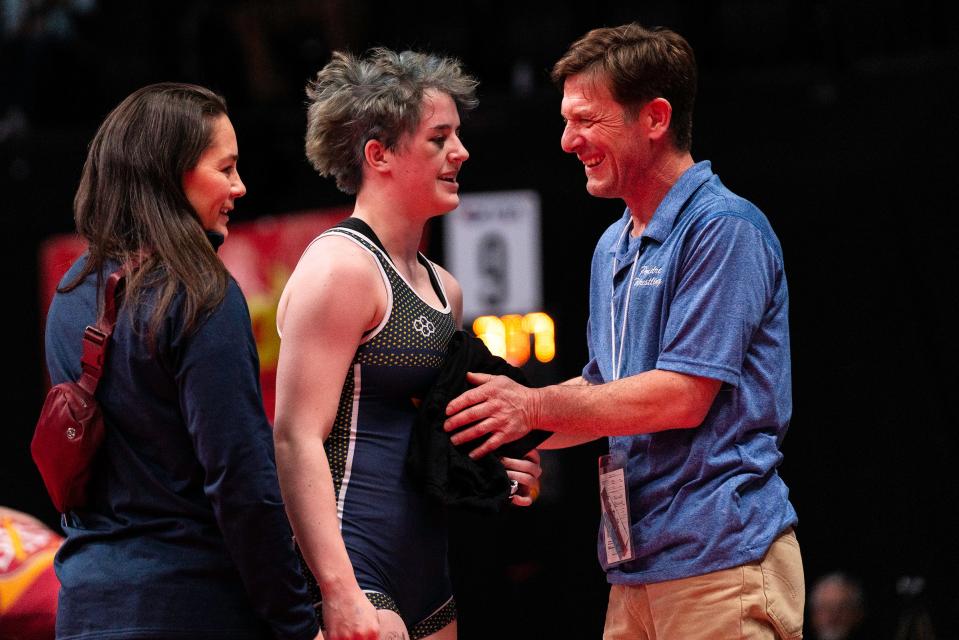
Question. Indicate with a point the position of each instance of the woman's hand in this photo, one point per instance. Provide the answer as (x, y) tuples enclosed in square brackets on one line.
[(350, 616), (526, 473)]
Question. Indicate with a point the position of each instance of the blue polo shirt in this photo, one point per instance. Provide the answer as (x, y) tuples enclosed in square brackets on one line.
[(707, 296)]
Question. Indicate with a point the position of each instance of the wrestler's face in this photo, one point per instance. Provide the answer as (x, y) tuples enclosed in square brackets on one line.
[(611, 146), (426, 162), (213, 184)]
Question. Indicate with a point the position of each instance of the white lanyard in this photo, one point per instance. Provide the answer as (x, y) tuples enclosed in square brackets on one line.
[(618, 364)]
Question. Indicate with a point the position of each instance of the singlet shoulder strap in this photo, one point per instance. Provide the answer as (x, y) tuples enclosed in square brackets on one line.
[(355, 224), (434, 278), (359, 226)]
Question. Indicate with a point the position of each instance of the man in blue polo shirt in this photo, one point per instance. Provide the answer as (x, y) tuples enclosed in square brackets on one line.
[(689, 370)]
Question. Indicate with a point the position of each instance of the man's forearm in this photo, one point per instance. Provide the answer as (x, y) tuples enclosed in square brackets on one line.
[(645, 403)]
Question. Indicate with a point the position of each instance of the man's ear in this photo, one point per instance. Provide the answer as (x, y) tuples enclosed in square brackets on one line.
[(376, 156), (658, 114)]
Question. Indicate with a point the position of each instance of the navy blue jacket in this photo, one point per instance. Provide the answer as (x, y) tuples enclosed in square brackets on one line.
[(186, 534)]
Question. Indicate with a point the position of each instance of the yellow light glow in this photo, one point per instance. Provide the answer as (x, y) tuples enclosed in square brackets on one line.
[(508, 336), (517, 340), (492, 332), (541, 327)]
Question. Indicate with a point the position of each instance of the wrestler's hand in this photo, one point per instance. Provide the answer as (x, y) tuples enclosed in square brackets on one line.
[(498, 406), (527, 473), (350, 616)]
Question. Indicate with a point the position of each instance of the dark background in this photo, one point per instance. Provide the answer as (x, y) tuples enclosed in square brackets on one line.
[(836, 118)]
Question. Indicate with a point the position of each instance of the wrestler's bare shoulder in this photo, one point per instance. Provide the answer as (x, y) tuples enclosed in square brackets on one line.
[(336, 256), (334, 273)]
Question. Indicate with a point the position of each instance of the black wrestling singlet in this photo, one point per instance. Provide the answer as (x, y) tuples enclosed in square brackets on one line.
[(394, 534)]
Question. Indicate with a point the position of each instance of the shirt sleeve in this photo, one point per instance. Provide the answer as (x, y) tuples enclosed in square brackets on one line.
[(725, 283), (591, 372), (218, 381)]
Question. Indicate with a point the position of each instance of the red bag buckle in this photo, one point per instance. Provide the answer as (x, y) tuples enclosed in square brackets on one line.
[(94, 346)]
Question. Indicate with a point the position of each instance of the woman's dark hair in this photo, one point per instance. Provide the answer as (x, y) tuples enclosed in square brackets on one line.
[(131, 204)]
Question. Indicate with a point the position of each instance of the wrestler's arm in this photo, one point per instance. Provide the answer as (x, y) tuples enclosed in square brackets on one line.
[(322, 320)]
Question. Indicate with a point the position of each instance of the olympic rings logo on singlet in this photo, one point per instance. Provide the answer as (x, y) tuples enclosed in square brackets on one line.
[(424, 326)]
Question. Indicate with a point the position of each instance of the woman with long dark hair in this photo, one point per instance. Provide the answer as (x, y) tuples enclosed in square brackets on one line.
[(184, 535), (366, 320)]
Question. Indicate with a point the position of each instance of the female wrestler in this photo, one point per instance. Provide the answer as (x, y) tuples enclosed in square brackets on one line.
[(365, 328), (185, 534)]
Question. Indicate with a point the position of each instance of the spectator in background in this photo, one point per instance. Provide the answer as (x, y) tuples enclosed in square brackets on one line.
[(837, 608), (915, 618)]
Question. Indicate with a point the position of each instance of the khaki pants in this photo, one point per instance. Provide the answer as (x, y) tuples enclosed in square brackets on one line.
[(757, 601)]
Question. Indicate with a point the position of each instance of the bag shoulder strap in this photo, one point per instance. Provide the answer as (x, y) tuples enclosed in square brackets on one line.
[(97, 337)]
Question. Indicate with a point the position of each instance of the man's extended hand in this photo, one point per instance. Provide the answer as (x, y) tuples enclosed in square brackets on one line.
[(498, 406)]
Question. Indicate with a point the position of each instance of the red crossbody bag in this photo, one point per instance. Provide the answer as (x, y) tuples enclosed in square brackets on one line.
[(70, 429)]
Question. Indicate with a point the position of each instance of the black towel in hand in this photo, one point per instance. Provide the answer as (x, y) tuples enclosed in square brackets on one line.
[(446, 472)]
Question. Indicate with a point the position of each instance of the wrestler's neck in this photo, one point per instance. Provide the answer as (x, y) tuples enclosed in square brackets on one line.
[(398, 229), (653, 184)]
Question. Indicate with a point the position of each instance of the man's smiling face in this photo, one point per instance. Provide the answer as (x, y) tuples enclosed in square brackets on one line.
[(610, 144)]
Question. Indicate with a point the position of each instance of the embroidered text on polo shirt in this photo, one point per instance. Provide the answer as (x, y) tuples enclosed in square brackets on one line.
[(647, 277)]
